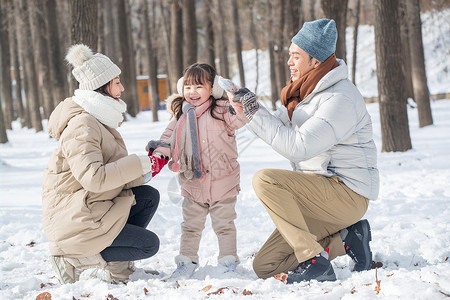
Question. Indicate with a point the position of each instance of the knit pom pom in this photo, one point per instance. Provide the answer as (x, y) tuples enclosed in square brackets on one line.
[(197, 173), (188, 174), (202, 178), (78, 54), (175, 167)]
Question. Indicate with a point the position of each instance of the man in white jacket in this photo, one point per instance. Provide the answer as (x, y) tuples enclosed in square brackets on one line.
[(325, 131)]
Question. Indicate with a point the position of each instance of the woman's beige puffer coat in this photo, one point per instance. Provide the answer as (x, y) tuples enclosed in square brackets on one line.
[(86, 191)]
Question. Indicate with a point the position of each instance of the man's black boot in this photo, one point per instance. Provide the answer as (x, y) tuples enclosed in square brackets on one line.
[(356, 243), (317, 268)]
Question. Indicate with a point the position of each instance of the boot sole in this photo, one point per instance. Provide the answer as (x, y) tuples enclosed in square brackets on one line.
[(367, 237)]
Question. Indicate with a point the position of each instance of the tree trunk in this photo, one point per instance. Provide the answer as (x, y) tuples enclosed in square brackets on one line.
[(237, 40), (294, 16), (189, 33), (223, 50), (39, 36), (312, 9), (337, 10), (6, 82), (138, 36), (280, 58), (355, 41), (419, 76), (14, 50), (127, 64), (84, 23), (390, 78), (165, 26), (151, 61), (255, 42), (84, 27), (27, 111), (209, 34), (270, 46), (58, 69), (3, 136), (111, 31), (3, 65), (404, 35), (31, 81), (176, 45), (101, 26)]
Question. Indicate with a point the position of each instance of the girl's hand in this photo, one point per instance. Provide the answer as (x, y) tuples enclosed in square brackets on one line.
[(228, 85), (238, 107), (232, 90)]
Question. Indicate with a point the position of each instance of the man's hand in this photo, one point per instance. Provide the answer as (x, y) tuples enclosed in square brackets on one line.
[(248, 102)]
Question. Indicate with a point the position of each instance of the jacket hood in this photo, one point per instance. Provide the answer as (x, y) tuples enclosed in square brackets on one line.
[(169, 101), (62, 114)]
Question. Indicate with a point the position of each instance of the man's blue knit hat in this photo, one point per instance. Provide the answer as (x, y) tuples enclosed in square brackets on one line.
[(317, 38)]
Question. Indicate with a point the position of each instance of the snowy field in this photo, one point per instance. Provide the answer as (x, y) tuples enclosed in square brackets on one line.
[(410, 220), (410, 225)]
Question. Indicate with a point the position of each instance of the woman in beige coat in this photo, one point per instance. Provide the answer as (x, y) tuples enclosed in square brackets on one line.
[(95, 208)]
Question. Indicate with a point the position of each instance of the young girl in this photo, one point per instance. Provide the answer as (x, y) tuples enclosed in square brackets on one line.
[(203, 151)]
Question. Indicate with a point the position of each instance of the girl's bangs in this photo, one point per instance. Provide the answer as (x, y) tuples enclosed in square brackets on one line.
[(196, 76)]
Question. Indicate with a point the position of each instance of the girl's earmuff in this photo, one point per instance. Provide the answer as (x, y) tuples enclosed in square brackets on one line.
[(217, 90)]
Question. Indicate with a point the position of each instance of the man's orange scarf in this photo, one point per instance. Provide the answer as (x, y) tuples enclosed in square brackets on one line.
[(296, 91)]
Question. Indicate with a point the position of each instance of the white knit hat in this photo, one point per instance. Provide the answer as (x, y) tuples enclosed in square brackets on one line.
[(91, 70)]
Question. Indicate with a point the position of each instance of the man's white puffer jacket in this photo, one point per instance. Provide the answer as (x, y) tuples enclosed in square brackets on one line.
[(330, 133)]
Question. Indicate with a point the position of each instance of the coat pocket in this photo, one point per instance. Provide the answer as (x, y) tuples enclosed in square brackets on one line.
[(223, 166)]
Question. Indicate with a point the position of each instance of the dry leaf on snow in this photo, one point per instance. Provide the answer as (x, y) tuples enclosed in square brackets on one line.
[(44, 296), (247, 293), (219, 291), (206, 288), (377, 288)]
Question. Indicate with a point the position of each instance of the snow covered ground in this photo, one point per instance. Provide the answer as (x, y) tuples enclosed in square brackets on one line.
[(410, 224), (410, 220)]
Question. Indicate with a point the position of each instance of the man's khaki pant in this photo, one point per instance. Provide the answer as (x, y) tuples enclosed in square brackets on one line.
[(308, 211), (222, 215)]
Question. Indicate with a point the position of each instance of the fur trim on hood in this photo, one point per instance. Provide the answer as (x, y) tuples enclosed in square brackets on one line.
[(169, 100)]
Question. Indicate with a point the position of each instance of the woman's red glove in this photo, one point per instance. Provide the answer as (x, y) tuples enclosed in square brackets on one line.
[(158, 162)]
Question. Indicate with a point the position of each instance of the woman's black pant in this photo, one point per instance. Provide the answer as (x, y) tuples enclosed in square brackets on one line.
[(135, 242)]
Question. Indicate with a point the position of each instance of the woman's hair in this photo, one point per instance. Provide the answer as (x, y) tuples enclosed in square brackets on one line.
[(203, 74), (104, 89)]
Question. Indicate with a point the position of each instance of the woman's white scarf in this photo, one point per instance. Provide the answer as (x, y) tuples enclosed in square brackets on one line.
[(106, 110)]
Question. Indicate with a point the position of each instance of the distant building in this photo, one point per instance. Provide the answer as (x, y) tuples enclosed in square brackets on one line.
[(144, 99)]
